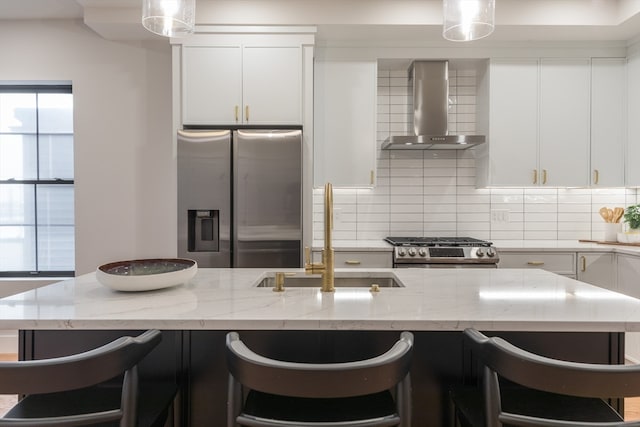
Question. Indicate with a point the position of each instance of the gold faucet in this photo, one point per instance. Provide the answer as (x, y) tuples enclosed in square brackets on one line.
[(326, 268)]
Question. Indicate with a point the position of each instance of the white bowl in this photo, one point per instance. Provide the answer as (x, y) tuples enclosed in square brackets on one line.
[(146, 274), (629, 237)]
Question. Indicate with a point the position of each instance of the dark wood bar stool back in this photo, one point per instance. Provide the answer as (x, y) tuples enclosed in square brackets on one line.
[(265, 392), (520, 388), (96, 387)]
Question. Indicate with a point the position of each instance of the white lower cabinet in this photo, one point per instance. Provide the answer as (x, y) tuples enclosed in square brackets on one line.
[(563, 263), (628, 268), (359, 259), (598, 268)]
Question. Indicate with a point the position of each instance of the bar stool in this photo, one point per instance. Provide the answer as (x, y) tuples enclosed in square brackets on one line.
[(99, 386), (525, 389), (265, 392)]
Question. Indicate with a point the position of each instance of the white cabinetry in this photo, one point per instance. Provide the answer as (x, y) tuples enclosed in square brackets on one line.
[(359, 259), (564, 122), (539, 123), (345, 123), (241, 84), (510, 158), (608, 101), (557, 262), (628, 274), (597, 269), (628, 268), (633, 114)]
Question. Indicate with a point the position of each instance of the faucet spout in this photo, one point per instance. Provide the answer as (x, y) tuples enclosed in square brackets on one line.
[(328, 254), (327, 267)]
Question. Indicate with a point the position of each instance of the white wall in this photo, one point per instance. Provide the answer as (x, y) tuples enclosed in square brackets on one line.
[(124, 167)]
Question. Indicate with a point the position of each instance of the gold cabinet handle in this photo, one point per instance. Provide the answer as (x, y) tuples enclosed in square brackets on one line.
[(535, 263), (246, 112), (535, 176), (352, 262), (237, 110), (372, 177), (583, 260), (596, 176), (544, 176)]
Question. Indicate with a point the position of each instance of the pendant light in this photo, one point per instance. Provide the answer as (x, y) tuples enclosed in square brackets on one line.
[(169, 18), (466, 20)]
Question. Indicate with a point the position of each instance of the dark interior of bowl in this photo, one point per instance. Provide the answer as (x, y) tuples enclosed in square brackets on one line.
[(142, 267)]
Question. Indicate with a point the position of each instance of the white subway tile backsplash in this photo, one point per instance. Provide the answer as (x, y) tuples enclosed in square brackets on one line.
[(405, 199), (438, 199), (432, 193)]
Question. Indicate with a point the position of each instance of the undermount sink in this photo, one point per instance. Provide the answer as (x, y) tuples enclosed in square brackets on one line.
[(383, 280)]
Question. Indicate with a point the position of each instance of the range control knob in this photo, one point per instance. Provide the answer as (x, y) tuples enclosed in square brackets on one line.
[(422, 252), (401, 252), (412, 252), (491, 252), (480, 252)]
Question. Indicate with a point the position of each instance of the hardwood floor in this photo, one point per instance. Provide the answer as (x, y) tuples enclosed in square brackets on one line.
[(632, 409)]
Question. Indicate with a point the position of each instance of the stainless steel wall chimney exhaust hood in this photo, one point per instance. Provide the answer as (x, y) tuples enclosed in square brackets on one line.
[(430, 110)]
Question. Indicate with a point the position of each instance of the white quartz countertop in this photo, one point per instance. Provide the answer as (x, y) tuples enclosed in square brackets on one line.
[(432, 299)]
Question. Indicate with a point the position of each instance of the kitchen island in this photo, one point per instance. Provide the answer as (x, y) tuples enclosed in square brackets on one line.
[(537, 309)]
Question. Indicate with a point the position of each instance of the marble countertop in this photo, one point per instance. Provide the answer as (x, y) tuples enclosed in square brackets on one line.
[(432, 299)]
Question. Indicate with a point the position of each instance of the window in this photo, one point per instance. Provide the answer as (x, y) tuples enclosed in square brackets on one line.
[(36, 181)]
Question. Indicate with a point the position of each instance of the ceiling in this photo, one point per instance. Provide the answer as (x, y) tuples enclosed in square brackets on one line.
[(359, 21)]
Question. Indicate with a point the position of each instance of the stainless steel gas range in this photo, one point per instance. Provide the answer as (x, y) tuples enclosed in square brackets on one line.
[(443, 252)]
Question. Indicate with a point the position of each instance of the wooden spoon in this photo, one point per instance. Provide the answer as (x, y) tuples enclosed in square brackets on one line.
[(604, 213), (617, 214)]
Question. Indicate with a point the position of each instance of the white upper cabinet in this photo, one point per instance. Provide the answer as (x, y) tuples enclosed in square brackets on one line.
[(512, 159), (633, 114), (345, 123), (564, 122), (539, 124), (241, 84), (608, 135), (211, 84), (272, 85)]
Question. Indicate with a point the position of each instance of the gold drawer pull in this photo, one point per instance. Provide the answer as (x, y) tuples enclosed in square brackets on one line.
[(237, 108), (583, 259), (535, 176), (352, 262), (596, 176), (535, 263), (246, 113), (544, 176)]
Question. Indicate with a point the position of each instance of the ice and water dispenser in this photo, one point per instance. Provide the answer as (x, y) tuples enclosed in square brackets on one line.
[(203, 230)]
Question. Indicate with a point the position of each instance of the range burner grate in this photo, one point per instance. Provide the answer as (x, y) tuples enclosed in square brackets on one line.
[(437, 241)]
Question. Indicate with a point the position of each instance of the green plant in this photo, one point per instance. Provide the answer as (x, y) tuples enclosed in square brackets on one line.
[(632, 216)]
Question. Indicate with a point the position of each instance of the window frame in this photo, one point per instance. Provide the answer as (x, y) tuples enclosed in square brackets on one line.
[(38, 88)]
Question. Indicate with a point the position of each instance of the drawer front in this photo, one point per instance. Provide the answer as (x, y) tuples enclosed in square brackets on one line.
[(556, 262), (344, 259)]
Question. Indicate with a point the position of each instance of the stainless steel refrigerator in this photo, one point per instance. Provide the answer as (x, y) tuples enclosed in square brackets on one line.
[(240, 197)]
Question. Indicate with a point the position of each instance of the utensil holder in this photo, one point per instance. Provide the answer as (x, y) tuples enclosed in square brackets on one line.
[(611, 230)]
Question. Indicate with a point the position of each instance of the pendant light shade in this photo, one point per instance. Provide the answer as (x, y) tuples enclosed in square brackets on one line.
[(169, 18), (466, 20)]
